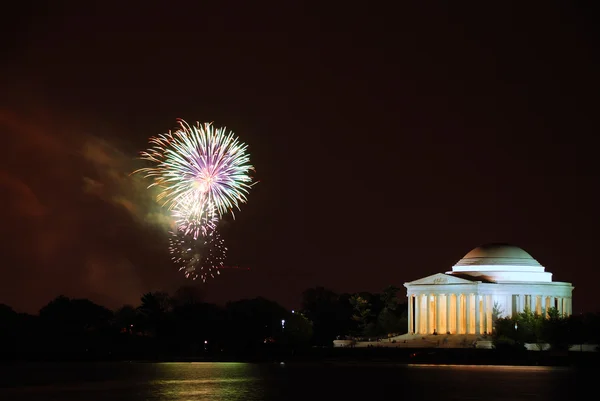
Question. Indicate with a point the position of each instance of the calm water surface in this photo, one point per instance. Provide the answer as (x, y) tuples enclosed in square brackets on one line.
[(292, 381)]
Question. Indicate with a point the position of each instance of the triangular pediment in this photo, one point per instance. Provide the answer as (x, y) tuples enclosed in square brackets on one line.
[(439, 279)]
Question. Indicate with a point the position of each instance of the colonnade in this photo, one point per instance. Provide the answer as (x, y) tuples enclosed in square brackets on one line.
[(540, 304), (462, 313)]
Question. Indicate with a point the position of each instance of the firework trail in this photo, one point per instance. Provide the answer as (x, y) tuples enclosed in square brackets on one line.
[(202, 174)]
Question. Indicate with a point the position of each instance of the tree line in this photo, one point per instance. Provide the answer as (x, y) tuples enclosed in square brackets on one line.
[(557, 331), (184, 325)]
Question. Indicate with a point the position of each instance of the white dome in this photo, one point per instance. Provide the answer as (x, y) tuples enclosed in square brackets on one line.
[(501, 263), (498, 254)]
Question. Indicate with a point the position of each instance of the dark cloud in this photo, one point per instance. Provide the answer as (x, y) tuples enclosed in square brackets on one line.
[(73, 215)]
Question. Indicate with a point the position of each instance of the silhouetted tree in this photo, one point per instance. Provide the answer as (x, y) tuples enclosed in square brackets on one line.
[(556, 330), (254, 322), (188, 295), (195, 322), (154, 310), (363, 314), (392, 318), (126, 319), (298, 329), (155, 304), (9, 329), (75, 326), (389, 297), (322, 307), (497, 311)]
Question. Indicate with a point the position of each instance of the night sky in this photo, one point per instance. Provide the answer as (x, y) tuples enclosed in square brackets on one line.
[(388, 142)]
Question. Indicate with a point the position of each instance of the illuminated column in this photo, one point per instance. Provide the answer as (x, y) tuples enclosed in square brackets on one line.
[(448, 302), (417, 313), (458, 322), (427, 312), (422, 314), (438, 314), (477, 315), (531, 303), (490, 312), (410, 314), (431, 306), (485, 311), (544, 306), (560, 306), (468, 312), (521, 303)]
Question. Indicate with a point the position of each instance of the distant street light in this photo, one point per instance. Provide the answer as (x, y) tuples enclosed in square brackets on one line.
[(282, 324)]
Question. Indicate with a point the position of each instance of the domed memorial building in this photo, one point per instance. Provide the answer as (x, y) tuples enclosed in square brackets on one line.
[(491, 279)]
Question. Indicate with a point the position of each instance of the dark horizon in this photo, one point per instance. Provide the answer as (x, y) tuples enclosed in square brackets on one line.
[(388, 143)]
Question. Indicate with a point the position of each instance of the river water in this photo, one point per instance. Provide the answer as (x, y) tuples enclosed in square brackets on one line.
[(287, 382)]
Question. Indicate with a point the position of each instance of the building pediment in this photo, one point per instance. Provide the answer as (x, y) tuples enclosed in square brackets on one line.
[(439, 279)]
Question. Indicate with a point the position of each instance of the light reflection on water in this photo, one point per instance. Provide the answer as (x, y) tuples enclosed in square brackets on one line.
[(206, 381), (492, 367), (292, 381)]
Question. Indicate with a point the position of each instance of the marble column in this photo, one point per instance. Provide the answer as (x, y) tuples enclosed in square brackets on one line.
[(468, 313), (543, 301), (410, 315), (490, 312), (427, 313), (560, 306), (521, 303), (419, 313), (531, 303), (438, 313), (477, 315), (458, 324), (448, 302), (485, 313)]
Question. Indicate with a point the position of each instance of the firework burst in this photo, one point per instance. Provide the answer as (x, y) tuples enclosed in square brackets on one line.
[(202, 173), (198, 257), (200, 166)]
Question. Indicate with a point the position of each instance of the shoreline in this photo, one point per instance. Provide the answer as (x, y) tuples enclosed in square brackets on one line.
[(349, 356)]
